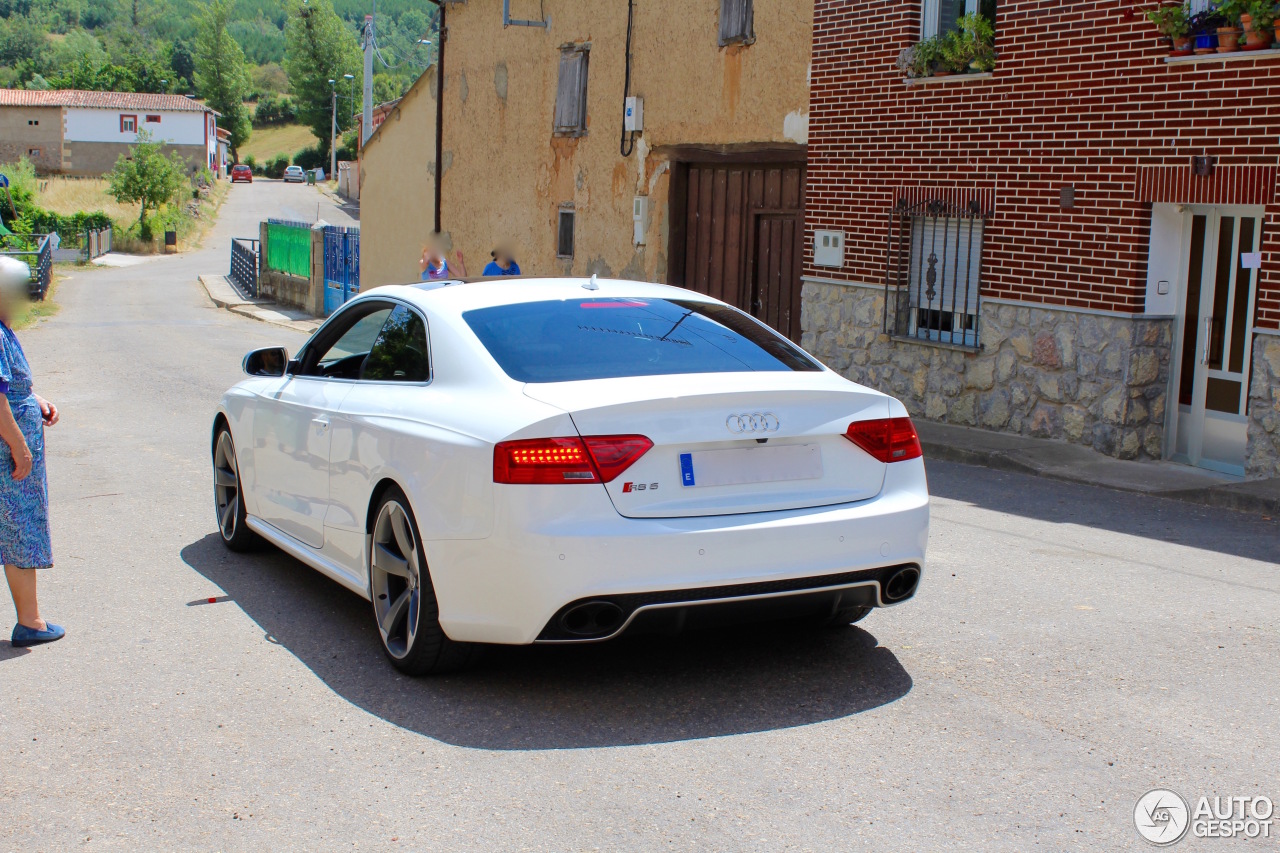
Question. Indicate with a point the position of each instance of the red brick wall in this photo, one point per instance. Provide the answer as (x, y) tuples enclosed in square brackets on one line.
[(1081, 95)]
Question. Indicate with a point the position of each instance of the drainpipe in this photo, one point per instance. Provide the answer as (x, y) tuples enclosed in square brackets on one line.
[(444, 38)]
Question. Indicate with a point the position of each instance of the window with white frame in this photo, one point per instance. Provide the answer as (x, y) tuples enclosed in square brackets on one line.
[(942, 16)]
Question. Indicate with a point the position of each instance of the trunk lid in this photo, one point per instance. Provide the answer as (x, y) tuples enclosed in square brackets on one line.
[(760, 442)]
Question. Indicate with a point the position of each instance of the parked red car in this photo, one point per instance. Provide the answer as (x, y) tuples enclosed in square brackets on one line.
[(241, 172)]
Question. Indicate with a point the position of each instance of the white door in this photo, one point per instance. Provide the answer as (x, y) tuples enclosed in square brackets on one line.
[(1216, 326), (292, 424)]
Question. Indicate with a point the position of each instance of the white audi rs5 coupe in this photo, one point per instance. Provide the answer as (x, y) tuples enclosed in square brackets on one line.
[(568, 460)]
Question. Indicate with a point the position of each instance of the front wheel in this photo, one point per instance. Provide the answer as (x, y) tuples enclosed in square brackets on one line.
[(228, 501), (404, 601)]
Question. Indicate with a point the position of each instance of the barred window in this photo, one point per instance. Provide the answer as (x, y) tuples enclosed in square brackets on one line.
[(737, 22), (935, 267), (571, 91)]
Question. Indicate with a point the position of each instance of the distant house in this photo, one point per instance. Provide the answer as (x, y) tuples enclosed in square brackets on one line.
[(224, 152), (72, 132)]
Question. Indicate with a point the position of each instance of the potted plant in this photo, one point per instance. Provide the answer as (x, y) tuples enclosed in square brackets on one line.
[(979, 36), (1204, 29), (1258, 17), (1174, 23), (922, 59)]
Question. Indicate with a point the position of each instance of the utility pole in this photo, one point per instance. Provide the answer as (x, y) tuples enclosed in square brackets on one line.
[(333, 133), (366, 123)]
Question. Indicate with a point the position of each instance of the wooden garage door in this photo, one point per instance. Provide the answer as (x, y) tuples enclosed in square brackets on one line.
[(737, 234)]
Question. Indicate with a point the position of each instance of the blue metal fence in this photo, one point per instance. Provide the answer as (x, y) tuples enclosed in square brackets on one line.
[(341, 266)]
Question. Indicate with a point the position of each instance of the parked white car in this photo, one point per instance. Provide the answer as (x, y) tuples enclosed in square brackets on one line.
[(565, 460), (295, 173)]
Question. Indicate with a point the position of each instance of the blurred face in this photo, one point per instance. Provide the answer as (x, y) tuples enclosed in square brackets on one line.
[(503, 255), (15, 277)]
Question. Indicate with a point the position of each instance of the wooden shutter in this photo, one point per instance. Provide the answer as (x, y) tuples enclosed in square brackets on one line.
[(737, 21), (571, 91)]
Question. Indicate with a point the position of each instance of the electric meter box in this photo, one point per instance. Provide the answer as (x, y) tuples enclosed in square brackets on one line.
[(640, 215), (633, 118), (828, 249)]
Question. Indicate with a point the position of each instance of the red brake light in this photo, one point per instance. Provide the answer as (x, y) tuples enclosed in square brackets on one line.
[(888, 439), (595, 459)]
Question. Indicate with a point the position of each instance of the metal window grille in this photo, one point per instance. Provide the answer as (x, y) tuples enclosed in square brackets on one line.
[(564, 235), (935, 272), (737, 22), (571, 91)]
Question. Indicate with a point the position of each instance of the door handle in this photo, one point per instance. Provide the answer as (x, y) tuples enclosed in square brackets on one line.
[(321, 423), (1208, 335)]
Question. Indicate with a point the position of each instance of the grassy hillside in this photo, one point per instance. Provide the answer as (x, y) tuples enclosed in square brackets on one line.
[(266, 143)]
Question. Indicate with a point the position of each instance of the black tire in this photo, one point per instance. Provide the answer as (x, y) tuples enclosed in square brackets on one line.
[(846, 617), (228, 502), (401, 582)]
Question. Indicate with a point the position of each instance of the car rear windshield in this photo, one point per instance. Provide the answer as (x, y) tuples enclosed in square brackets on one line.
[(606, 338)]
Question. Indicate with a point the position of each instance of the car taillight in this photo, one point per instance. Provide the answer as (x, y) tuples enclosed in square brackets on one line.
[(888, 439), (594, 459)]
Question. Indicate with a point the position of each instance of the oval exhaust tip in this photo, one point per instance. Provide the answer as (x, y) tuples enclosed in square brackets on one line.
[(902, 585), (592, 619)]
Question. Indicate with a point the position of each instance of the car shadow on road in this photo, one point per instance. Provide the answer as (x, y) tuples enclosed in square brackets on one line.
[(631, 691)]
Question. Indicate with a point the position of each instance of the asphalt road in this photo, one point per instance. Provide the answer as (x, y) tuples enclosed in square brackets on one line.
[(1070, 649)]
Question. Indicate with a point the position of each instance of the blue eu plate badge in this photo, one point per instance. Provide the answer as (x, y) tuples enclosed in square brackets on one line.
[(686, 469)]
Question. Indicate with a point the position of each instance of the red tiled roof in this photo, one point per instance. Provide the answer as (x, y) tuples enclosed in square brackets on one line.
[(100, 100)]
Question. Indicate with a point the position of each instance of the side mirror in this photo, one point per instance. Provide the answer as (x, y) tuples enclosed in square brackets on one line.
[(266, 362)]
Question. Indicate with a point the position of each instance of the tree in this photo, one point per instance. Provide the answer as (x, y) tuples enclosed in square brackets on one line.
[(221, 76), (146, 175), (319, 47)]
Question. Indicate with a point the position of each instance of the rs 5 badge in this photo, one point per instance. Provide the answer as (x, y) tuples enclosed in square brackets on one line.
[(639, 487)]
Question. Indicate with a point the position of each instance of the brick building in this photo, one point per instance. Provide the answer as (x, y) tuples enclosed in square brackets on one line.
[(1033, 248)]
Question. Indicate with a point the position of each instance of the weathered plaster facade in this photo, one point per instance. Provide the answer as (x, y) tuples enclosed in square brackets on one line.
[(397, 188), (506, 176), (19, 136)]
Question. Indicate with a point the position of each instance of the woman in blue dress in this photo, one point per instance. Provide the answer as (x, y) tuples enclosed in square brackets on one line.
[(24, 493)]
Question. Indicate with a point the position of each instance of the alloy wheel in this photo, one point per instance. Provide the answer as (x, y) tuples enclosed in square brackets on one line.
[(226, 486), (395, 577)]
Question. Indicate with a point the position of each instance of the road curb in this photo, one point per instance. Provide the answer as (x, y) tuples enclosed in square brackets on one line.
[(1250, 497)]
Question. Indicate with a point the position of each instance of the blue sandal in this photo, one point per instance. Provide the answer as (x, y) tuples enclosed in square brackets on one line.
[(24, 636)]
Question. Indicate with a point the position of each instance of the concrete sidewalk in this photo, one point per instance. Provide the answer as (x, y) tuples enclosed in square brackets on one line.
[(225, 294), (1072, 463)]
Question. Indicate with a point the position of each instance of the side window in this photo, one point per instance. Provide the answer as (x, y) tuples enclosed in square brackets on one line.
[(737, 22), (400, 352), (571, 91), (342, 352)]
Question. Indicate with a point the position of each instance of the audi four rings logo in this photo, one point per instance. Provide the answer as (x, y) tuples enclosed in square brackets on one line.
[(754, 422)]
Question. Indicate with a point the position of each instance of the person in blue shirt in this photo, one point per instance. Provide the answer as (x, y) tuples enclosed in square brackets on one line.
[(502, 264)]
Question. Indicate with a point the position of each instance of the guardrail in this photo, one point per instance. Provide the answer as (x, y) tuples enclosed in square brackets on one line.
[(245, 263), (39, 259)]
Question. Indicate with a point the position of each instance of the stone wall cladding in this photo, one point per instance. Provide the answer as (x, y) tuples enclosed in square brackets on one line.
[(1262, 458), (1099, 381)]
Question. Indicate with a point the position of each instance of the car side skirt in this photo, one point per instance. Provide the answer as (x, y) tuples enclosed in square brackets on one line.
[(306, 554)]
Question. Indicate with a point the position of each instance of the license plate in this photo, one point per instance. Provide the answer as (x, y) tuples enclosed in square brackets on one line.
[(739, 466)]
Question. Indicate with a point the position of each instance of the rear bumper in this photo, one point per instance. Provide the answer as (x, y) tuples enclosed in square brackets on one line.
[(555, 546)]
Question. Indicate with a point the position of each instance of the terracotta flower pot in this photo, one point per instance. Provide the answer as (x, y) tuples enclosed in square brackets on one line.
[(1181, 46), (1228, 39), (1255, 38)]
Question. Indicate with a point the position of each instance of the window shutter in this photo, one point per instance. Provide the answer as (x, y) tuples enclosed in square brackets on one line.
[(957, 245), (737, 21), (571, 91)]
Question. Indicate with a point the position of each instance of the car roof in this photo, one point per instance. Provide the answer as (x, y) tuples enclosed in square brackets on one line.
[(458, 295)]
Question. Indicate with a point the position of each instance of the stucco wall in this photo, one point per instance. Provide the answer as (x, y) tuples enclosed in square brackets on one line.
[(505, 174), (397, 193), (18, 137), (92, 125)]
